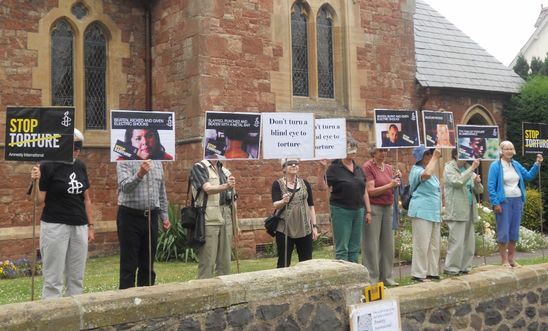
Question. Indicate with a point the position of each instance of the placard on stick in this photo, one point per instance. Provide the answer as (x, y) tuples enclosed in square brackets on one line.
[(534, 138), (396, 128), (232, 135), (330, 140), (288, 135), (142, 135), (439, 129), (39, 134), (477, 142)]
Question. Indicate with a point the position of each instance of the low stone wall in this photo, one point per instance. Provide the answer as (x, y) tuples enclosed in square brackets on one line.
[(491, 298), (310, 296), (313, 295)]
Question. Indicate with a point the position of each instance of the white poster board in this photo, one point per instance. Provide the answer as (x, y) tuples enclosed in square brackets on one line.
[(375, 316), (288, 135), (330, 138)]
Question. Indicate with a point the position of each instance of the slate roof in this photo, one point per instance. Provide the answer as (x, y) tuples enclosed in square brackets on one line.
[(446, 57)]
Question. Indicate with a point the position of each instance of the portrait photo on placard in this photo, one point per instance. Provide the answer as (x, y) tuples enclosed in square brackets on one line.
[(396, 128), (477, 142), (142, 135)]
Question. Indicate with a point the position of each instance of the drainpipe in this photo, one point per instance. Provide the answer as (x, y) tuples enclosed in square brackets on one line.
[(148, 54)]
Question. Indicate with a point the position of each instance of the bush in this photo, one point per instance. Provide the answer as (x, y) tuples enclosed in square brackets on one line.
[(530, 240), (532, 210), (172, 244)]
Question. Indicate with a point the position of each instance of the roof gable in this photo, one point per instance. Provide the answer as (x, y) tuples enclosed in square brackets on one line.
[(447, 58)]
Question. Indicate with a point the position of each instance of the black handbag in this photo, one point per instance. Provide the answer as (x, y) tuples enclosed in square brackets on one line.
[(193, 218), (407, 195), (271, 222)]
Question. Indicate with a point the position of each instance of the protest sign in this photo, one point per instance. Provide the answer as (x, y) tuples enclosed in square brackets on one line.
[(142, 135), (439, 129), (232, 135), (39, 134), (535, 138), (477, 142), (396, 128), (288, 135), (330, 139)]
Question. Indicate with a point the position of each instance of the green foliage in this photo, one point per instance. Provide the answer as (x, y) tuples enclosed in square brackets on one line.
[(521, 67), (172, 243), (531, 210), (530, 240), (536, 66)]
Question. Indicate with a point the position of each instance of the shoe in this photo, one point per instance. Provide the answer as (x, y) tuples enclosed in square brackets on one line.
[(451, 273), (507, 265), (420, 280), (391, 283), (433, 277), (465, 272), (515, 264)]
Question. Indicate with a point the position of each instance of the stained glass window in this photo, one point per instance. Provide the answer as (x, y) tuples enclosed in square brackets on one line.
[(79, 10), (95, 47), (62, 71), (325, 54), (299, 47)]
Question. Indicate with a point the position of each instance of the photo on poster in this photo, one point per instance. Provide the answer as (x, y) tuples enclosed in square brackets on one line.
[(142, 135), (396, 128), (288, 135), (535, 138), (330, 140), (39, 134), (233, 136), (477, 142), (439, 129)]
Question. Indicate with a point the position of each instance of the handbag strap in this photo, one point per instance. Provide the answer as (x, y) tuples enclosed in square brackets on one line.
[(193, 200), (290, 199)]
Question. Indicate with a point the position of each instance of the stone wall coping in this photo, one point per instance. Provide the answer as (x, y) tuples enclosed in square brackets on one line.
[(483, 283), (102, 309)]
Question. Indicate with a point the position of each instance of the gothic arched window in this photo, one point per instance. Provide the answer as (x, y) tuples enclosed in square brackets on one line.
[(324, 30), (299, 47), (62, 70), (95, 62)]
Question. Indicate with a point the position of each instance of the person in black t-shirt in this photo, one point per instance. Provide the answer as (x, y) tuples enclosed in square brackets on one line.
[(348, 202), (66, 224)]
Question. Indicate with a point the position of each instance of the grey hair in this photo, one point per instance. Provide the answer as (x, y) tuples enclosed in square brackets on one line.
[(78, 136), (504, 144), (372, 149)]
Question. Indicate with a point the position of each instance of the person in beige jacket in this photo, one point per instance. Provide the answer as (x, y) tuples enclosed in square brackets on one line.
[(461, 187)]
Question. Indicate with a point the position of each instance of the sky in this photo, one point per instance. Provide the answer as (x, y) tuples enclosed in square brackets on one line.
[(501, 27)]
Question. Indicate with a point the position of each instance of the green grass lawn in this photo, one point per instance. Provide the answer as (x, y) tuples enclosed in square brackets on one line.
[(102, 274)]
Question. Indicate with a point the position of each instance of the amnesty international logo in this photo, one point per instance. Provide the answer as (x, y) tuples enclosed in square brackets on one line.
[(66, 120)]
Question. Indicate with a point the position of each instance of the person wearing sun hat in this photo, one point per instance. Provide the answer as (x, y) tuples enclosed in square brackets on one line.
[(348, 202), (297, 228), (425, 213)]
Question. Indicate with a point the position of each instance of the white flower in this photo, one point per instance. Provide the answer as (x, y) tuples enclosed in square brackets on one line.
[(486, 210)]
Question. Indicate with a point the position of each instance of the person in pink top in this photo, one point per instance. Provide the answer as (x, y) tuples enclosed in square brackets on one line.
[(378, 239)]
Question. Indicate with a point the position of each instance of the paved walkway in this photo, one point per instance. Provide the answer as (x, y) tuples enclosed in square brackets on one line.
[(478, 261)]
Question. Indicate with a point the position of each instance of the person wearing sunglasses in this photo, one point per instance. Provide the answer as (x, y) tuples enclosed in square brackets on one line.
[(348, 202), (378, 237), (66, 224), (298, 227)]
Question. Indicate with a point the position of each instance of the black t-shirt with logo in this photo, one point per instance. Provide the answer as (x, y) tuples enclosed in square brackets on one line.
[(64, 184)]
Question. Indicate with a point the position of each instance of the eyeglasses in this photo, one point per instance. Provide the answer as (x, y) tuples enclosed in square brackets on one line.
[(292, 163), (78, 145), (383, 150)]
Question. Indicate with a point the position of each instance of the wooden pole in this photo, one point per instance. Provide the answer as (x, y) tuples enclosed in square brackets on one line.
[(35, 192)]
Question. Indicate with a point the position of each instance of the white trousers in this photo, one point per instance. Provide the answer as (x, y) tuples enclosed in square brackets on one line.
[(64, 251), (426, 248)]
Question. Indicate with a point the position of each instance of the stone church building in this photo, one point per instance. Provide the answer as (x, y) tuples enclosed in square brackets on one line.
[(335, 58)]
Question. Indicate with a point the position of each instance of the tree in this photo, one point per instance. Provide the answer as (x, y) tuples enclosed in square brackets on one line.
[(521, 67), (536, 66), (531, 105)]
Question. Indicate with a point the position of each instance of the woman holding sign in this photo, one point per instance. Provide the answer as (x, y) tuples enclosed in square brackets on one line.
[(378, 239), (66, 224), (348, 201), (506, 187), (425, 213)]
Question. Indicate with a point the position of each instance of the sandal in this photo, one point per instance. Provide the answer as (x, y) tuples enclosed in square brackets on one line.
[(507, 265), (515, 264)]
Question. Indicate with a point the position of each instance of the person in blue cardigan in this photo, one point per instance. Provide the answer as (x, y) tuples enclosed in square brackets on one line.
[(506, 187)]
